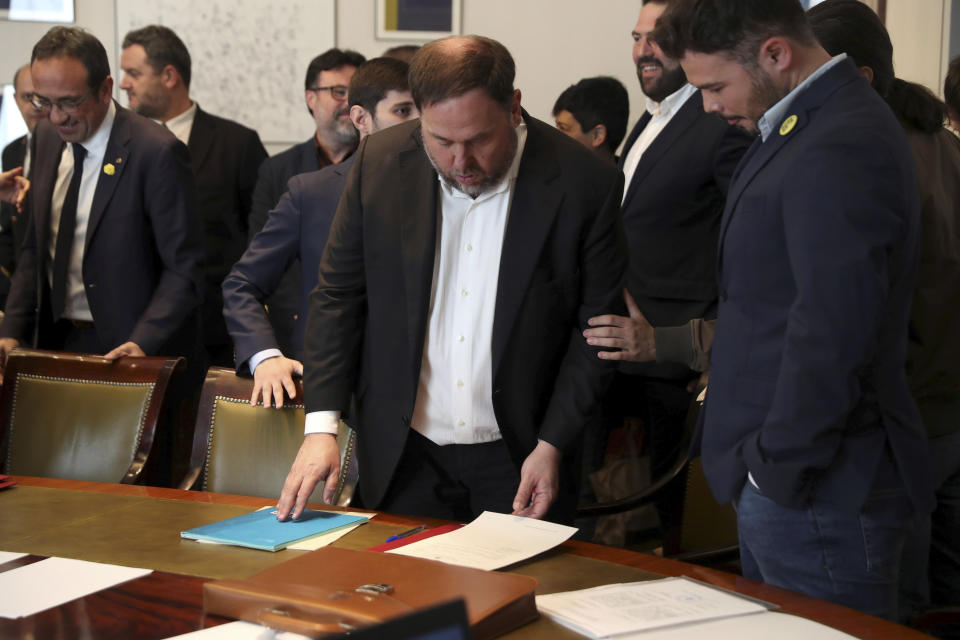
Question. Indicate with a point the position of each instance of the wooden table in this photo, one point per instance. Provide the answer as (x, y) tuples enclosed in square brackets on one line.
[(139, 527)]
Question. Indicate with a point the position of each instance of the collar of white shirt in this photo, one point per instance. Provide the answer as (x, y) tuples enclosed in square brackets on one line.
[(182, 124), (96, 145), (672, 102)]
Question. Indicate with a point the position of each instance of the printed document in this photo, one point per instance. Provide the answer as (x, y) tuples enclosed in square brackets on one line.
[(617, 609), (492, 541)]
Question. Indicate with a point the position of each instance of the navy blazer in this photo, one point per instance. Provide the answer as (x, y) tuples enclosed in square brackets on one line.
[(225, 157), (671, 217), (818, 257), (296, 230), (274, 174), (562, 262), (142, 255)]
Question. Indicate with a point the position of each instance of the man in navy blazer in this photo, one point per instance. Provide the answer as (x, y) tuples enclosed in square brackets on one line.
[(224, 155), (809, 424), (130, 283), (296, 233), (334, 139)]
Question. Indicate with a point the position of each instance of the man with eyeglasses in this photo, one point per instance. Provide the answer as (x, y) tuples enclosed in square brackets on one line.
[(297, 229), (334, 139), (225, 157), (110, 264), (13, 223)]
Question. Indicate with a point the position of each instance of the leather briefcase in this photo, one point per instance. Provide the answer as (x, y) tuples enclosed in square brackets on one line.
[(333, 590)]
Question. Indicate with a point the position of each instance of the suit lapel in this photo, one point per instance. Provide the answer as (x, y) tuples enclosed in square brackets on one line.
[(680, 122), (418, 232), (761, 153), (532, 211), (111, 173), (48, 147), (632, 138), (201, 139)]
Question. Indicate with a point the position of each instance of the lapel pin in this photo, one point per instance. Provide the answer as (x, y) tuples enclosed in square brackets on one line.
[(118, 160), (109, 169), (788, 125)]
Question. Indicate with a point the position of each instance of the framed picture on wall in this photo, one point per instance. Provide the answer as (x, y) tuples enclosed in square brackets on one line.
[(417, 19), (37, 10)]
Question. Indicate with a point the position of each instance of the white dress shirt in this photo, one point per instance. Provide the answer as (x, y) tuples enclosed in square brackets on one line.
[(181, 125), (660, 115), (76, 306), (454, 403)]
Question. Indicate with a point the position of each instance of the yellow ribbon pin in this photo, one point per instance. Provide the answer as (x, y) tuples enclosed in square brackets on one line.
[(788, 125), (109, 169)]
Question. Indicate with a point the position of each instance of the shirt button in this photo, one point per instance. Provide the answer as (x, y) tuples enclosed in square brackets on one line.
[(461, 423), (461, 339), (463, 292), (469, 247), (459, 383)]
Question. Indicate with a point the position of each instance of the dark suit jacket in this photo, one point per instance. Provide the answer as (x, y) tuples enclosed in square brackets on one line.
[(13, 224), (141, 260), (296, 231), (275, 172), (671, 217), (225, 157), (818, 256), (562, 263)]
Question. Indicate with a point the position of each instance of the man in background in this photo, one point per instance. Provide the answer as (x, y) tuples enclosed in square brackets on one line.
[(110, 264), (594, 112), (296, 231), (334, 139), (13, 223), (677, 161), (224, 156)]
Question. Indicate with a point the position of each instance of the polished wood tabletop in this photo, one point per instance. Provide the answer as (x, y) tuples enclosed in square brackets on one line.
[(139, 527)]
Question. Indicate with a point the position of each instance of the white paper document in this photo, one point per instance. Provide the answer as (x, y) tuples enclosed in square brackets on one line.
[(491, 541), (49, 583), (618, 609), (757, 626), (239, 631), (7, 556)]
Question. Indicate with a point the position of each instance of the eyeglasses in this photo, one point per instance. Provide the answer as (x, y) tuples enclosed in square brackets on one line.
[(338, 91), (66, 105)]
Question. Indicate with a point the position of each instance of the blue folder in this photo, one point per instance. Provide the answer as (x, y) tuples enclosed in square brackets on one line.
[(262, 530)]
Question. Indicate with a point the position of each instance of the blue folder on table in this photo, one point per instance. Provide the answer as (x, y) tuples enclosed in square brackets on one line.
[(262, 530)]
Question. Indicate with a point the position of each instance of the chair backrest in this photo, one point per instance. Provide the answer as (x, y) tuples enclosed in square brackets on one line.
[(65, 415), (247, 450)]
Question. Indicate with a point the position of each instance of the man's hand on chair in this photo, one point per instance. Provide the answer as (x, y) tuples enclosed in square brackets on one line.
[(6, 346), (317, 461)]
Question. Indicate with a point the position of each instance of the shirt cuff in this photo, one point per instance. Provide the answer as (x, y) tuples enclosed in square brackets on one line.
[(322, 422), (260, 356)]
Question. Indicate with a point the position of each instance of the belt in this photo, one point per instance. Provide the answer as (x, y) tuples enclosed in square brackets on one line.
[(80, 324)]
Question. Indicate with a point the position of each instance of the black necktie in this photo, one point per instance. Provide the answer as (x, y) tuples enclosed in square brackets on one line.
[(68, 225)]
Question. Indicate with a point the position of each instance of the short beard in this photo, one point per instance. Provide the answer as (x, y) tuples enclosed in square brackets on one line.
[(490, 181), (670, 80)]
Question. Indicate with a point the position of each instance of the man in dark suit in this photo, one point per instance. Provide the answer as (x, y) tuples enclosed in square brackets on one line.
[(111, 260), (325, 92), (594, 112), (296, 231), (809, 424), (13, 223), (677, 162), (459, 341), (225, 157)]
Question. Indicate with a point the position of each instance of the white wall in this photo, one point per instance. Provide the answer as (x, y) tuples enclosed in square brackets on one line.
[(555, 42)]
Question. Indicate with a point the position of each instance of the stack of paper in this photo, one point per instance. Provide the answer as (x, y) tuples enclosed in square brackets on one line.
[(619, 609), (262, 530)]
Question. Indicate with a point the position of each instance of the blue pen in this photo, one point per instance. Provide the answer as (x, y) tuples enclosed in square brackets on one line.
[(407, 533)]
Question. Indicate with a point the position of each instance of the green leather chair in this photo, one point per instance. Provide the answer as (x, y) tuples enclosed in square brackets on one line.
[(64, 415), (247, 450)]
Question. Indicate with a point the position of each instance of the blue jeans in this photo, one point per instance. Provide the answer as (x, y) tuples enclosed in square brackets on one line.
[(827, 551)]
